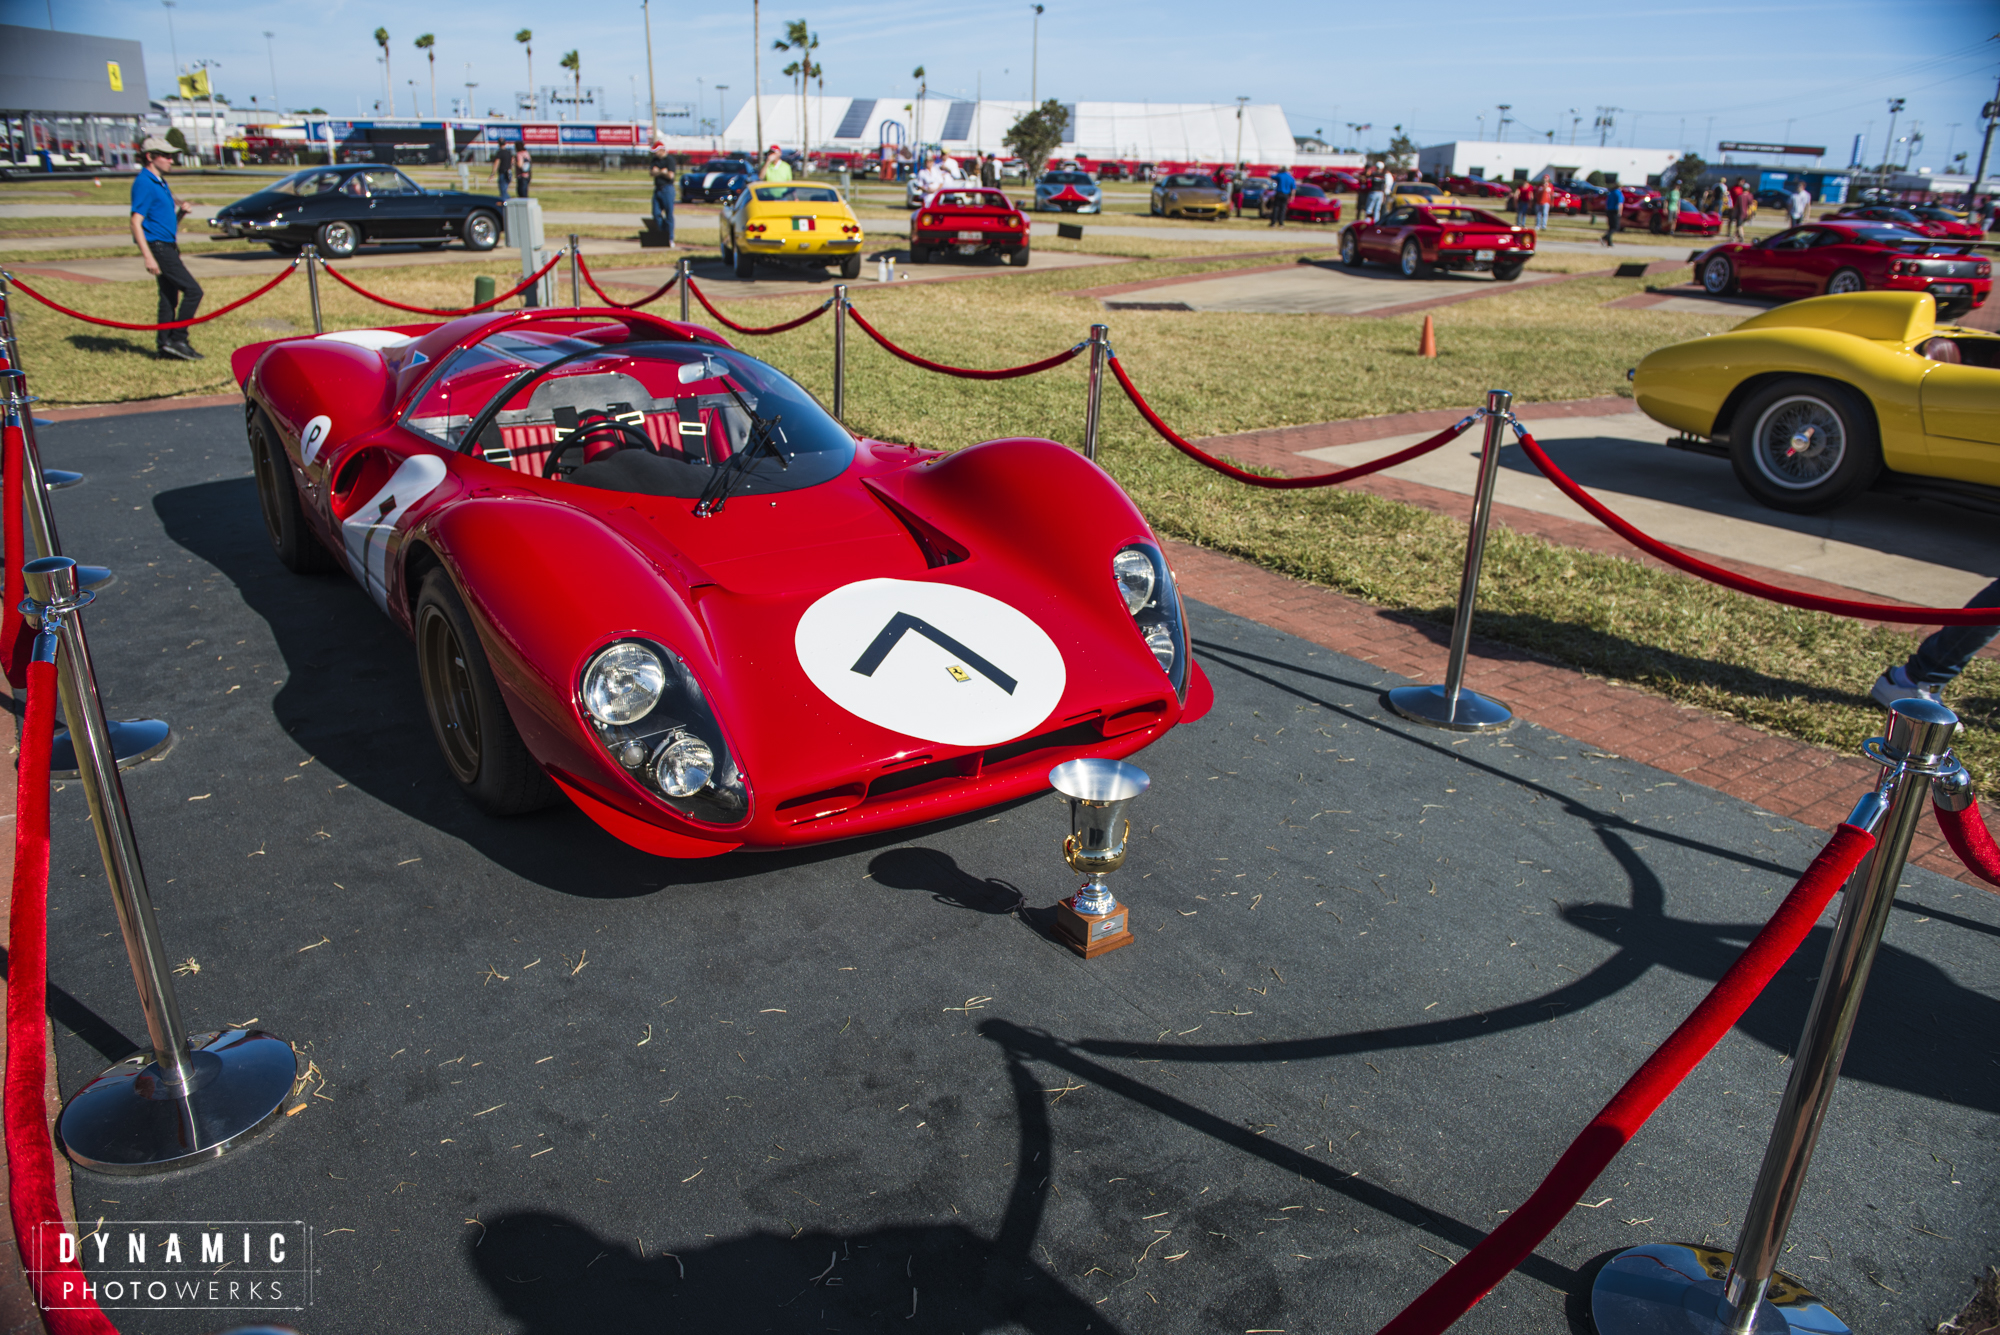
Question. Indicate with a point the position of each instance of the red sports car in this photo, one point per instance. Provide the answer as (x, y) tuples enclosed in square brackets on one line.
[(1476, 187), (650, 573), (969, 222), (1334, 179), (1651, 215), (1923, 221), (1310, 204), (1832, 257), (1418, 240)]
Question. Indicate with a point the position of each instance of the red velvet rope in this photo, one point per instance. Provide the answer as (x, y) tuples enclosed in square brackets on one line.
[(16, 640), (964, 372), (1915, 616), (604, 297), (31, 1184), (702, 297), (525, 284), (1968, 836), (1174, 439), (215, 314), (1455, 1292)]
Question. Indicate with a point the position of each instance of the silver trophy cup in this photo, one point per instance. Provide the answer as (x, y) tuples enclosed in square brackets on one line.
[(1098, 791)]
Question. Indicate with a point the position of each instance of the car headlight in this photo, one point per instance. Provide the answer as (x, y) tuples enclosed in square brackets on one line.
[(623, 683), (653, 719), (1147, 588)]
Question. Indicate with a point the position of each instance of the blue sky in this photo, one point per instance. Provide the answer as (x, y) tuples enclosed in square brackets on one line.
[(1681, 75)]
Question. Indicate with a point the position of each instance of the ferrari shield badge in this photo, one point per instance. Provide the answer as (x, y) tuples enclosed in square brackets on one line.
[(931, 661)]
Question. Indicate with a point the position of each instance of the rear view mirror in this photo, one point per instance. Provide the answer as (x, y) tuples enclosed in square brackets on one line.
[(701, 370)]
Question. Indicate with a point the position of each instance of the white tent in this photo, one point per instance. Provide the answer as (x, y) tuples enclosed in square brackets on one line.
[(1145, 131)]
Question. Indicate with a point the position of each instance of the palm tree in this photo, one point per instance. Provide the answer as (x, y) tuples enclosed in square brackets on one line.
[(428, 45), (526, 38), (382, 40), (574, 64), (917, 129), (797, 39)]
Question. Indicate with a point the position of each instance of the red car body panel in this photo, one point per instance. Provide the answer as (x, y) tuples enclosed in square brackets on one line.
[(1447, 237), (1650, 216), (983, 218), (551, 572), (1944, 229), (1803, 261), (1323, 208)]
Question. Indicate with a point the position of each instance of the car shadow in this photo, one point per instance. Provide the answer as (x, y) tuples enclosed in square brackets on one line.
[(333, 640)]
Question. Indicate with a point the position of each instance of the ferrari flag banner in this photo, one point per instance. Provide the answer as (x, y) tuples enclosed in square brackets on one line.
[(194, 85)]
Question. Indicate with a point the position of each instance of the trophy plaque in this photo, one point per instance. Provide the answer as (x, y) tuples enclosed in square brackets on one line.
[(1092, 922)]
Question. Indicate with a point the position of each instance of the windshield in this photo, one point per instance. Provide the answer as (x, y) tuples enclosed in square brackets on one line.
[(1887, 236), (972, 199), (319, 181), (724, 166), (796, 194), (1463, 217), (655, 419), (1183, 180), (1067, 178), (1311, 192), (1425, 190)]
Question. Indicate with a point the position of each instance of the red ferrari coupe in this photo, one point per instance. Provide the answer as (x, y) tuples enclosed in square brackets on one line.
[(1418, 240), (1832, 257), (969, 222), (1651, 215), (1309, 204), (1923, 221), (650, 573), (1475, 187)]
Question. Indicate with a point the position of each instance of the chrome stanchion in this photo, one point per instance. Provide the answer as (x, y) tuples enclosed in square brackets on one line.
[(184, 1101), (53, 479), (311, 257), (42, 535), (687, 276), (1100, 343), (840, 352), (1722, 1293), (1450, 705), (575, 281)]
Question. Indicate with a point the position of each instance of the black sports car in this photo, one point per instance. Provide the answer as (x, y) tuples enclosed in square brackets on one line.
[(716, 182), (340, 209)]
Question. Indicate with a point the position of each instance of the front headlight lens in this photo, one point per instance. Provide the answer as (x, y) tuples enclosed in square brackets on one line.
[(682, 766), (1133, 570), (1161, 641), (623, 684)]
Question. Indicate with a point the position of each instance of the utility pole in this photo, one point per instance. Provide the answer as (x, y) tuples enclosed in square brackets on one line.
[(1889, 143), (652, 97), (1239, 132), (1990, 113), (1500, 132), (1574, 121), (721, 114), (173, 45), (1035, 62), (271, 54), (1606, 118)]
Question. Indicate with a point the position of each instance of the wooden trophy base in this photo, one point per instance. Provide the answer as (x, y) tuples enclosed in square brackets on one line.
[(1093, 934)]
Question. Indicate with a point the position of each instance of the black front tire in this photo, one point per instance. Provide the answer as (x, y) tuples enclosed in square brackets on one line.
[(297, 549), (850, 268), (338, 239), (1350, 251), (1803, 445), (1018, 257), (482, 748), (1507, 273), (746, 267), (481, 230)]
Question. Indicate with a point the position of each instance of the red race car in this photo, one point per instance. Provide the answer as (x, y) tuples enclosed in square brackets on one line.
[(969, 222), (1651, 215), (1309, 204), (1832, 257), (1475, 187), (1335, 179), (1418, 240), (1922, 220), (650, 573)]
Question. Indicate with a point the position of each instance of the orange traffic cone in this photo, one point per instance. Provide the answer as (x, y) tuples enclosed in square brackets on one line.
[(1428, 347)]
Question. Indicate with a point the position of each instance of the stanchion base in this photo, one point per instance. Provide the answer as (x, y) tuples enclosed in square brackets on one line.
[(1667, 1288), (93, 577), (1428, 705), (56, 479), (126, 1123), (132, 740)]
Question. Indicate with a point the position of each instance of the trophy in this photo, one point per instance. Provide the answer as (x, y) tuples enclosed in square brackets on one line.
[(1093, 922)]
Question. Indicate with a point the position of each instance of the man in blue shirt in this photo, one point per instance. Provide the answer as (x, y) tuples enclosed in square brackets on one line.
[(156, 222), (1614, 215), (1283, 186)]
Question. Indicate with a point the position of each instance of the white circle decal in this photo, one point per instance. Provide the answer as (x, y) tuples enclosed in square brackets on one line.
[(932, 661), (313, 437)]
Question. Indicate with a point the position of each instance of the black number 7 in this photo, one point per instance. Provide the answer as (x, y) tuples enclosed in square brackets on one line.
[(902, 624)]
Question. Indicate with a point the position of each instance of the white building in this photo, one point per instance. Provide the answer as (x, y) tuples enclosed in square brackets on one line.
[(1144, 131), (1527, 161)]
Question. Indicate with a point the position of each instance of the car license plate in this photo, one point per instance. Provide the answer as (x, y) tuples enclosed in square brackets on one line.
[(804, 224), (1952, 289), (968, 250), (972, 236), (1482, 254)]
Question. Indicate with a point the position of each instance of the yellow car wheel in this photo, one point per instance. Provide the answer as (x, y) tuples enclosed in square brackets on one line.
[(1803, 445)]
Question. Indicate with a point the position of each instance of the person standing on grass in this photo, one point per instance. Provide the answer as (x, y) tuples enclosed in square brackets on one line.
[(1545, 195), (503, 169), (1673, 211), (1614, 215), (1283, 187), (524, 168), (662, 166), (1939, 659), (156, 224), (1799, 203), (1524, 199)]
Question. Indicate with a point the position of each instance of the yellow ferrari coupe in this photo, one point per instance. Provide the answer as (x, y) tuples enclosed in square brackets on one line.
[(786, 223), (1189, 195), (1814, 401)]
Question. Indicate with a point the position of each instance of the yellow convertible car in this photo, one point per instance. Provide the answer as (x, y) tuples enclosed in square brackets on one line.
[(1814, 401), (791, 224)]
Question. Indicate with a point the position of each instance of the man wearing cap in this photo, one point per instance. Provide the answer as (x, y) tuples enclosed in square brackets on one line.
[(663, 191), (156, 222), (775, 166)]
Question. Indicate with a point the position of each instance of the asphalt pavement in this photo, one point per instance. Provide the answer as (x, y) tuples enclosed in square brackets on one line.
[(568, 1087)]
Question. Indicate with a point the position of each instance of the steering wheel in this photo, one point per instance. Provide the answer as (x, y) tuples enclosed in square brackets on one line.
[(591, 425)]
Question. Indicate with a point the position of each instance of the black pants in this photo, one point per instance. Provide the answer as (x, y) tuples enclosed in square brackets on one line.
[(1279, 204), (180, 295)]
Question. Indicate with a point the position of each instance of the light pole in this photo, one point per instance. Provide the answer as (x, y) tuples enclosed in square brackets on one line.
[(1500, 134), (1240, 102), (1574, 121), (271, 54), (721, 113), (173, 45), (1035, 62), (1889, 143), (652, 97)]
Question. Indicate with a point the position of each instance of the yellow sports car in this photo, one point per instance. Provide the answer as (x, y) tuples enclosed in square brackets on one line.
[(1421, 193), (1817, 400), (785, 223), (1189, 195)]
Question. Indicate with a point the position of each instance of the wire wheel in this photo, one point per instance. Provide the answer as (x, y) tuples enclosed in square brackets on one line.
[(1718, 276), (482, 231), (1799, 443), (448, 691), (1847, 280)]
